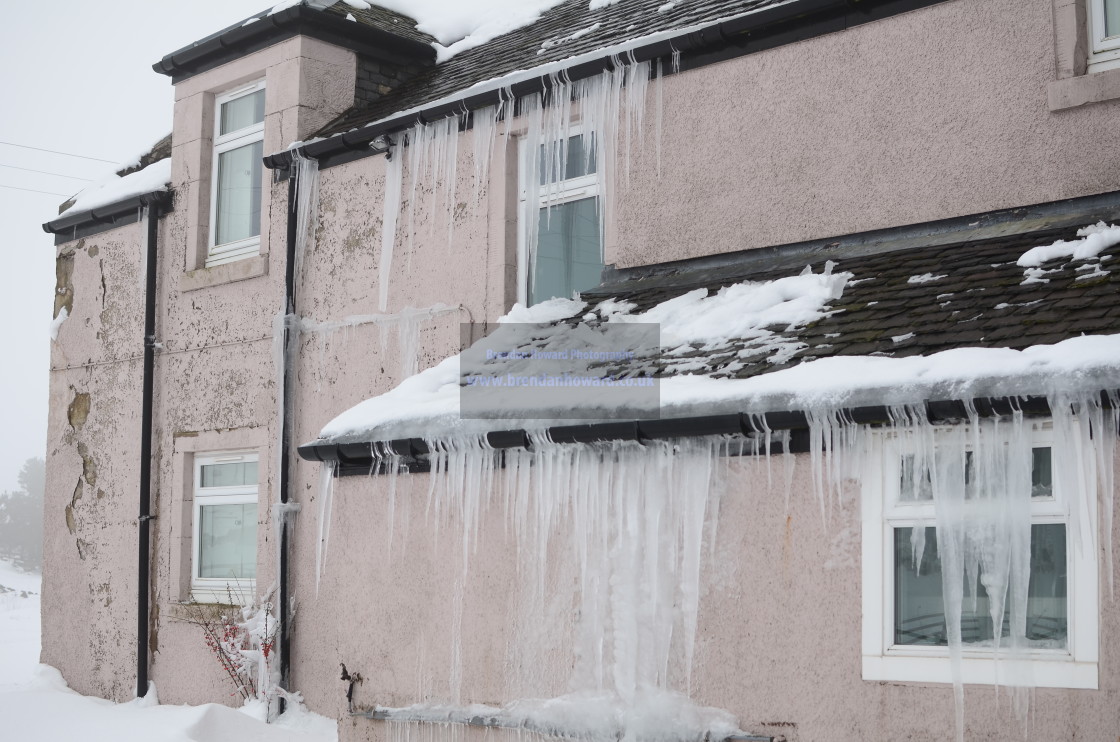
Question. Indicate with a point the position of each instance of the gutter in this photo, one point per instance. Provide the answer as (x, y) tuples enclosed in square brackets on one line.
[(145, 518), (253, 35), (104, 218), (746, 34), (368, 457)]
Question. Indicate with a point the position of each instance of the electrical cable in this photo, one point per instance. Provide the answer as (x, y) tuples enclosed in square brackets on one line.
[(44, 172), (56, 152)]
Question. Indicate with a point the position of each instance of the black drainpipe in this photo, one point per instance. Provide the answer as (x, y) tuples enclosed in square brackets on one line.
[(288, 390), (145, 519)]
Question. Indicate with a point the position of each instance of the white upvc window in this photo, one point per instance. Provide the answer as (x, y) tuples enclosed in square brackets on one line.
[(904, 627), (235, 192), (224, 559), (560, 246), (1104, 35)]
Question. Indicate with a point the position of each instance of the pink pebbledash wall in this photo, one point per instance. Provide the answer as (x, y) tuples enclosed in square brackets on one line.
[(936, 113)]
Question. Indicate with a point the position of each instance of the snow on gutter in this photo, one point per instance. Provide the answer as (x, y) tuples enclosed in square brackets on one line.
[(534, 79), (106, 201), (427, 405)]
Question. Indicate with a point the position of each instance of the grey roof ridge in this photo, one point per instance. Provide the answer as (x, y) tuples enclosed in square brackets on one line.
[(1074, 212), (266, 28)]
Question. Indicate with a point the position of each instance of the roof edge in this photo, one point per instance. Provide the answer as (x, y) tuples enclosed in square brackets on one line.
[(1017, 220), (103, 218), (745, 34), (239, 40), (367, 458)]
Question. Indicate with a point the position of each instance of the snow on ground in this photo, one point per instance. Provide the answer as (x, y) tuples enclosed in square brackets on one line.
[(19, 627), (36, 704), (153, 178)]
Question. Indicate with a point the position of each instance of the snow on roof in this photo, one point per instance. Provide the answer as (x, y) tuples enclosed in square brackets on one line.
[(155, 177), (750, 340), (560, 35), (459, 25), (1091, 242)]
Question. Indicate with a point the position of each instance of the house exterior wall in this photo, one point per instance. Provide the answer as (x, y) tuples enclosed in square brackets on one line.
[(933, 114), (778, 643)]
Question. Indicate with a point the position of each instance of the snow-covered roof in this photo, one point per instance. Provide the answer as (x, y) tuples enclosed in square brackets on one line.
[(758, 337), (113, 189)]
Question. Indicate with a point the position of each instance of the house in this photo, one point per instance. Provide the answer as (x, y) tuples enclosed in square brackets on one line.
[(870, 496)]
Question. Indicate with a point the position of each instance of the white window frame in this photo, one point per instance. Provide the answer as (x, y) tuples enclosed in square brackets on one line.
[(1104, 51), (220, 589), (565, 191), (239, 249), (1073, 667)]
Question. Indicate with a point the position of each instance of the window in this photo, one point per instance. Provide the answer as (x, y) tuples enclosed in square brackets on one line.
[(1104, 35), (985, 489), (561, 246), (235, 224), (225, 527)]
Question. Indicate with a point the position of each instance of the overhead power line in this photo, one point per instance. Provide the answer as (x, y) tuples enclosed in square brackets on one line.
[(31, 190), (56, 152), (44, 172)]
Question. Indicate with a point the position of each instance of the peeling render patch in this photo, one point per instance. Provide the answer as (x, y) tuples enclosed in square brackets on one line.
[(89, 466), (64, 281), (78, 411)]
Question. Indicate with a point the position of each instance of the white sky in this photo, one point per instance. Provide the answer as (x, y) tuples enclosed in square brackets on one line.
[(75, 76)]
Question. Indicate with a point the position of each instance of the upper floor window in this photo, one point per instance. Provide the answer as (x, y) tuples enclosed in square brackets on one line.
[(1104, 35), (566, 256), (235, 223), (909, 578), (225, 527)]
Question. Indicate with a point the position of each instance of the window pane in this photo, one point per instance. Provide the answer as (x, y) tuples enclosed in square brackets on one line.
[(1112, 17), (915, 486), (242, 112), (919, 611), (1042, 477), (578, 160), (569, 258), (239, 194), (233, 474), (228, 541)]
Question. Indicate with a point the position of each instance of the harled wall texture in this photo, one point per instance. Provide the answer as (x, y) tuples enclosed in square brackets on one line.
[(933, 114)]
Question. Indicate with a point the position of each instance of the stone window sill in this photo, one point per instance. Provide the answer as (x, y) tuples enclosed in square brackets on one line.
[(240, 270), (1080, 91)]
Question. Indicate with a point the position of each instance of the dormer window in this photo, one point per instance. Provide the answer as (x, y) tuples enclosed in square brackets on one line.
[(235, 224)]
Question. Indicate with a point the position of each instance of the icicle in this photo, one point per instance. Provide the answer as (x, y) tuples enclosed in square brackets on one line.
[(326, 489), (485, 126), (306, 206), (394, 170)]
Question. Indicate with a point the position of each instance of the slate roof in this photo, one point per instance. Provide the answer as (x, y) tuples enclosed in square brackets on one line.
[(382, 19), (978, 298), (547, 40)]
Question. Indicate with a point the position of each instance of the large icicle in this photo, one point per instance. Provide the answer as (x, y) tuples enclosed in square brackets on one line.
[(391, 208)]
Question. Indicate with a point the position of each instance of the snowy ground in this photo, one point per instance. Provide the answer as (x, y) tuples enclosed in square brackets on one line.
[(36, 704)]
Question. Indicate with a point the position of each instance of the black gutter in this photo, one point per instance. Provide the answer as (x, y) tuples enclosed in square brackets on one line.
[(143, 580), (249, 36), (363, 458), (747, 34), (288, 392), (103, 218)]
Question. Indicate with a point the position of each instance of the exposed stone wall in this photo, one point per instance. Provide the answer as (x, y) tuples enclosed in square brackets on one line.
[(377, 78)]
